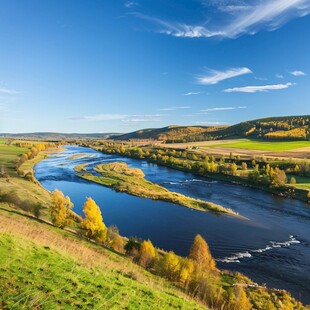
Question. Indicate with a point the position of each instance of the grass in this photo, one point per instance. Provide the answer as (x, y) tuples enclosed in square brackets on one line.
[(42, 267), (20, 188), (9, 155), (131, 180), (274, 146), (301, 182)]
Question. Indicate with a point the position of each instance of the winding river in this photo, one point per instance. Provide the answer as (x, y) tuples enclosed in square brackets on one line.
[(272, 247)]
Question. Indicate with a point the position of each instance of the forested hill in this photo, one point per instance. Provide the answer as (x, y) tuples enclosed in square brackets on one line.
[(171, 133), (271, 128)]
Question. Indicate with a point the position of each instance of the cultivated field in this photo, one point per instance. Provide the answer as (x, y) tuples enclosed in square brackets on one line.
[(249, 148)]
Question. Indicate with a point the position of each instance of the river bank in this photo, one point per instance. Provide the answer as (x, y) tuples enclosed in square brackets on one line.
[(282, 191), (120, 177)]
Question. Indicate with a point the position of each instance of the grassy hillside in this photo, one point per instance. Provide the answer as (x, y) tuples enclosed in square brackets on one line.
[(272, 128), (42, 267)]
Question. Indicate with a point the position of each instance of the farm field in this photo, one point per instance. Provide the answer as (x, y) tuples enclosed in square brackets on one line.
[(274, 146)]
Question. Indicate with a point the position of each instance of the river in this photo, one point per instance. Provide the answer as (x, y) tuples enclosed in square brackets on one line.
[(272, 247)]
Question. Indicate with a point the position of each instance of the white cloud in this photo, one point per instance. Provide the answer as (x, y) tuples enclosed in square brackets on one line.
[(279, 76), (175, 108), (216, 76), (192, 93), (223, 109), (7, 91), (254, 89), (131, 4), (260, 15), (298, 73)]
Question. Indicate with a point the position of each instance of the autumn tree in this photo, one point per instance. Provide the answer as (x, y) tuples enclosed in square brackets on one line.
[(93, 223), (242, 302), (292, 181), (168, 266), (60, 208), (132, 248), (118, 244), (278, 177), (147, 253), (185, 271), (244, 166), (200, 253)]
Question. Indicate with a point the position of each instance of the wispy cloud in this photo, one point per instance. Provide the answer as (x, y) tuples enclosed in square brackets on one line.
[(259, 15), (254, 89), (175, 108), (131, 4), (215, 76), (192, 93), (298, 73), (279, 76), (223, 109), (121, 117), (7, 91)]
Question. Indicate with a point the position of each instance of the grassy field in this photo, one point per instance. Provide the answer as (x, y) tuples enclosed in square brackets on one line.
[(301, 182), (274, 146), (9, 155), (45, 268), (131, 180)]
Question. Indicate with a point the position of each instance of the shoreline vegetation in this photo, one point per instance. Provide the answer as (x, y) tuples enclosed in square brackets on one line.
[(50, 250), (120, 177), (256, 172)]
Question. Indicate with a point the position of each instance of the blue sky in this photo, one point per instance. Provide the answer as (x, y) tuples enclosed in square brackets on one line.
[(118, 66)]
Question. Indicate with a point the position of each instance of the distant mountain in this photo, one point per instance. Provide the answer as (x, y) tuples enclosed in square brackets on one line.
[(270, 128), (56, 136)]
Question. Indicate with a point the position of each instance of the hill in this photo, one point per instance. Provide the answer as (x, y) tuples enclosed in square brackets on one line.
[(53, 269), (56, 136), (171, 133), (271, 128)]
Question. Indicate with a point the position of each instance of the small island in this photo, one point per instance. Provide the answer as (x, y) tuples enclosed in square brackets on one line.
[(120, 177)]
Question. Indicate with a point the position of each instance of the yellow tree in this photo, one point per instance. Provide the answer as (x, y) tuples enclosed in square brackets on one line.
[(169, 266), (242, 302), (92, 222), (186, 270), (118, 244), (200, 253), (59, 209), (147, 253)]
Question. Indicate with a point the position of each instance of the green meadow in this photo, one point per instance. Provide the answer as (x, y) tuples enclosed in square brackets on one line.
[(9, 155), (44, 268), (301, 182), (274, 146)]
